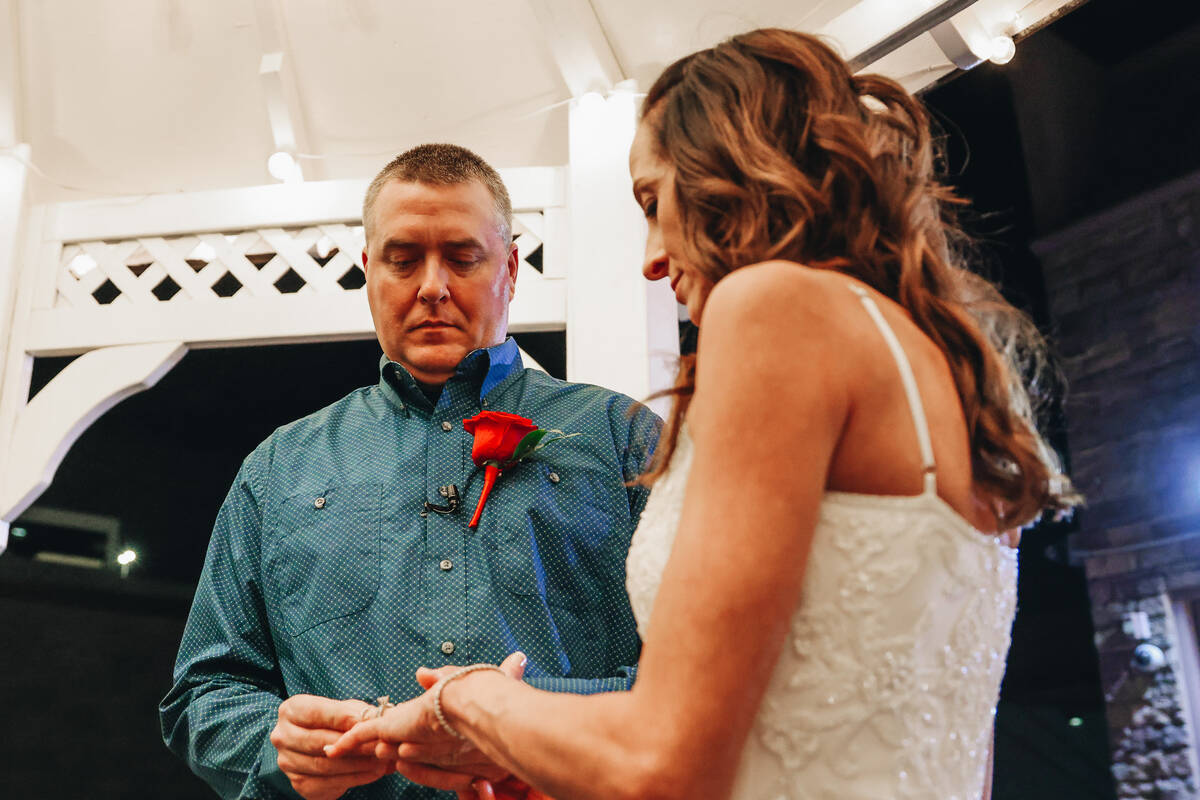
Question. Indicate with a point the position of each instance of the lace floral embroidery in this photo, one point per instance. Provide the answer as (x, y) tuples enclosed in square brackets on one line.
[(888, 683)]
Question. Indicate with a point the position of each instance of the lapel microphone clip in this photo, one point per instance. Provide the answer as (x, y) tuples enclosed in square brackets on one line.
[(451, 494)]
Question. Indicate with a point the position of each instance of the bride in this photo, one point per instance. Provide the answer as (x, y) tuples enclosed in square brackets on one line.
[(820, 576)]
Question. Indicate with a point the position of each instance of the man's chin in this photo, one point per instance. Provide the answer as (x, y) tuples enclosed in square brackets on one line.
[(434, 364)]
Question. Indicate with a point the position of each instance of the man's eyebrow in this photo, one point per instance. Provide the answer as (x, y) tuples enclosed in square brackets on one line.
[(465, 244), (399, 244)]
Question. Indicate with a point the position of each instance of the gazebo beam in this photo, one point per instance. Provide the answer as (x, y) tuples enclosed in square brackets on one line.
[(280, 89), (579, 45)]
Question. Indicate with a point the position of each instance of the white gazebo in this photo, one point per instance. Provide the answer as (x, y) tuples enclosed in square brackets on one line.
[(139, 217)]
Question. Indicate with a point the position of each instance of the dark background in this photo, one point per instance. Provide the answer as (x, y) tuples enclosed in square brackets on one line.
[(1095, 108)]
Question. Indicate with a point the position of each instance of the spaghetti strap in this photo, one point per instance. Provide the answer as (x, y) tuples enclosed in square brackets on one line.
[(910, 388)]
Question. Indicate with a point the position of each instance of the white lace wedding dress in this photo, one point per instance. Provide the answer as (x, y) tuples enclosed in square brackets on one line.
[(888, 681)]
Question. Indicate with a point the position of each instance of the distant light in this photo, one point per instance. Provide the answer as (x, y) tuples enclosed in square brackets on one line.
[(19, 533), (81, 265), (1075, 722), (283, 167), (126, 558), (1003, 49)]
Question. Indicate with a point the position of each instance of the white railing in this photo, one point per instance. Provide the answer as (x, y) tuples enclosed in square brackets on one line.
[(131, 285), (130, 273)]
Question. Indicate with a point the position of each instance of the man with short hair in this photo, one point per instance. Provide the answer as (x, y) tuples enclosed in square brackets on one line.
[(341, 560)]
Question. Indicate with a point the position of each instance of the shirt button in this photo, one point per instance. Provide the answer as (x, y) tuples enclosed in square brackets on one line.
[(446, 565), (319, 502), (446, 426), (448, 648), (554, 477)]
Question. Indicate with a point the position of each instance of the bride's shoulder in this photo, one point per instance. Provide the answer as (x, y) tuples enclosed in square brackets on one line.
[(785, 298), (774, 338)]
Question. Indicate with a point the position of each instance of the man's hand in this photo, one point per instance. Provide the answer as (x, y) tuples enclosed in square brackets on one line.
[(306, 724)]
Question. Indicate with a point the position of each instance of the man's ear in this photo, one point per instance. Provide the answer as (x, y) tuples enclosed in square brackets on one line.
[(514, 261)]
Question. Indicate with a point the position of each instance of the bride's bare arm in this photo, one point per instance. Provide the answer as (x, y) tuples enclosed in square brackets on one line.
[(770, 402)]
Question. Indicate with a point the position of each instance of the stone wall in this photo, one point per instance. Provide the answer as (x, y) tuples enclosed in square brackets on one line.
[(1124, 292), (1147, 711)]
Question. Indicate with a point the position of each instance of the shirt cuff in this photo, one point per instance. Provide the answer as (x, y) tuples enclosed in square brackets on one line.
[(268, 776), (621, 682)]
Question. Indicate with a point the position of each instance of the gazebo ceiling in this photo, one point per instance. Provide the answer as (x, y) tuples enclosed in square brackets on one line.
[(147, 96)]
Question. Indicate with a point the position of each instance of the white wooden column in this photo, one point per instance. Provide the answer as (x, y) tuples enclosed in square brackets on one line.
[(14, 365), (622, 331), (14, 175)]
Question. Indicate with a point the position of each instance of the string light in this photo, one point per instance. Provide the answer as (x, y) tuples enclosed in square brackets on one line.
[(1002, 50), (283, 167)]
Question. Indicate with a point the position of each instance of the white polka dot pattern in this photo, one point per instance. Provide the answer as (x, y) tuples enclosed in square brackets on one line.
[(323, 575)]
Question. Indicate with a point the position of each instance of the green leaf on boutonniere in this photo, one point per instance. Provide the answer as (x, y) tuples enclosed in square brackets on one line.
[(528, 444)]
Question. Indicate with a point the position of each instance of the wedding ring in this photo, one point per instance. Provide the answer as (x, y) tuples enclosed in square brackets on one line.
[(384, 704)]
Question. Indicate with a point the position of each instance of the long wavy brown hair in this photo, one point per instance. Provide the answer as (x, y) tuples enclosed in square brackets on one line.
[(780, 153)]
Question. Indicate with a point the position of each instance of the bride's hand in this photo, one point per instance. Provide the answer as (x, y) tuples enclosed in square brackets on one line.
[(422, 750), (415, 722), (450, 751)]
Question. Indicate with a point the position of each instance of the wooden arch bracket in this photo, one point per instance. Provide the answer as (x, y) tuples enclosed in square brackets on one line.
[(47, 427)]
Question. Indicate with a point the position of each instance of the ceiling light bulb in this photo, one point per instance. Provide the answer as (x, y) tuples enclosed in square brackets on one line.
[(127, 557), (1003, 50), (282, 166)]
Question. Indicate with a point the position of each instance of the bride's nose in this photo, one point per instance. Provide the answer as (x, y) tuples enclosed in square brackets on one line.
[(654, 267)]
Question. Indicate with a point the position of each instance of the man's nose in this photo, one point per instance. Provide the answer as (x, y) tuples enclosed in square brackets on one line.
[(434, 287)]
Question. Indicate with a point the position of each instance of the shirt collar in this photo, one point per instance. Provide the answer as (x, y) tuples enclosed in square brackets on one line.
[(485, 368)]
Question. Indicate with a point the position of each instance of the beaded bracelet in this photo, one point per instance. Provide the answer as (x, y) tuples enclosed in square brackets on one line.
[(441, 685)]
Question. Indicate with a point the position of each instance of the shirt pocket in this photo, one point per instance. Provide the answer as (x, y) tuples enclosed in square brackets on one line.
[(564, 541), (324, 562)]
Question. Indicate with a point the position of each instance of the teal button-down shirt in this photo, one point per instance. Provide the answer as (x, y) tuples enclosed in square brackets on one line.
[(326, 576)]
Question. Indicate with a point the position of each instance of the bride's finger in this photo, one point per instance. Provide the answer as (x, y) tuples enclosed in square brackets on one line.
[(514, 665), (429, 751), (362, 733)]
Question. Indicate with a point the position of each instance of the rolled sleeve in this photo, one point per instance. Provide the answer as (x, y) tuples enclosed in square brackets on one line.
[(227, 687)]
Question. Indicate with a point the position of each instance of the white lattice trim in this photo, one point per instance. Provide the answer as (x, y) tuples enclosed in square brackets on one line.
[(538, 305), (276, 283)]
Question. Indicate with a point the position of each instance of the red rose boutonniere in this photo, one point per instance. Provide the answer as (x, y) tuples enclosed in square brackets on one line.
[(502, 440)]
